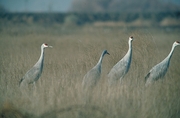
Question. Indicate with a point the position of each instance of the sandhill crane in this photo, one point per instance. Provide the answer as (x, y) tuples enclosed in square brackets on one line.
[(122, 67), (159, 70), (34, 73), (92, 76)]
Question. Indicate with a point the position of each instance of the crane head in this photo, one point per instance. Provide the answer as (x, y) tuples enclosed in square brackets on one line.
[(45, 45), (106, 52), (131, 38), (176, 43)]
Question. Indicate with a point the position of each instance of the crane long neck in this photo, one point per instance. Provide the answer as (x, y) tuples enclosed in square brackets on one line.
[(170, 54), (130, 48), (41, 58), (100, 60)]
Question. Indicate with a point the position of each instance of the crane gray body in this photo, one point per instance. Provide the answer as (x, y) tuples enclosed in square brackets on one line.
[(120, 69), (32, 75), (35, 72), (91, 78), (159, 70), (93, 75)]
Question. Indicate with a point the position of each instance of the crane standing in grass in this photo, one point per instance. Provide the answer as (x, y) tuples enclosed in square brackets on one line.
[(35, 72), (122, 67), (92, 76), (159, 70)]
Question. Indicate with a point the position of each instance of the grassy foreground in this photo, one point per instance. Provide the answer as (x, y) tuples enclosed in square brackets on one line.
[(58, 92)]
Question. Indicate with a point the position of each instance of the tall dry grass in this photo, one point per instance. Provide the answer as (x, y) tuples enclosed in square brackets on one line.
[(58, 92)]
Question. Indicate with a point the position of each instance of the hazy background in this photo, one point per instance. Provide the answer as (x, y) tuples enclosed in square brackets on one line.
[(88, 5), (97, 12)]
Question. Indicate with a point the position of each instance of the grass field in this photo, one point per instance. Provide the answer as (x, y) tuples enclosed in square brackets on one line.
[(76, 50)]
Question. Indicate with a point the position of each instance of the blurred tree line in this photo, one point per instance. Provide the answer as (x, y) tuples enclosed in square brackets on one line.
[(90, 11), (84, 18)]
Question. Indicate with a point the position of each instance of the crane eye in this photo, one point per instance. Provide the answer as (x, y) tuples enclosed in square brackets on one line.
[(46, 44), (131, 37)]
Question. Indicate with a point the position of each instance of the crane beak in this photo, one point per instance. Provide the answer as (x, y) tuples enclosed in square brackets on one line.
[(50, 46), (108, 53)]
